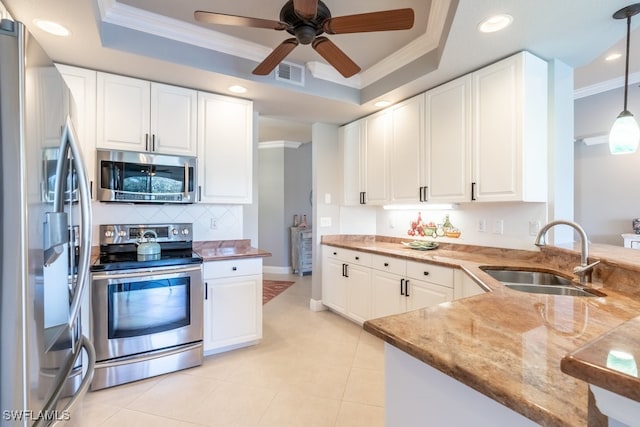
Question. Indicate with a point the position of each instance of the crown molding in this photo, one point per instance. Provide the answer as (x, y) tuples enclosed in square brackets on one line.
[(279, 144), (607, 85)]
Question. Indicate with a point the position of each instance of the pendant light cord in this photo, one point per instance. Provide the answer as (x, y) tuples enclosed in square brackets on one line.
[(626, 69)]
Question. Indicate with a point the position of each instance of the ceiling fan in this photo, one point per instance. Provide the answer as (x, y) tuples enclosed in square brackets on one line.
[(307, 20)]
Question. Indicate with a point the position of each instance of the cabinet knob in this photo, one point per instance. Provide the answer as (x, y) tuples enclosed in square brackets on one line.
[(335, 253), (386, 264), (426, 273), (234, 268), (357, 258)]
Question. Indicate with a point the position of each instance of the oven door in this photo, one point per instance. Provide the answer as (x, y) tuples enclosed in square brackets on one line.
[(137, 311)]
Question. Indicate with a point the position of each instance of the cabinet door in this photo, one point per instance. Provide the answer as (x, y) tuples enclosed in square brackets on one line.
[(82, 84), (334, 286), (406, 151), (424, 294), (387, 294), (352, 157), (358, 292), (173, 120), (448, 141), (496, 140), (122, 113), (376, 166), (233, 311), (225, 149), (510, 130)]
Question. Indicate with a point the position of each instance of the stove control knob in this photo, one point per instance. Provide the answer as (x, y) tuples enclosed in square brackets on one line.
[(185, 231), (174, 231), (108, 233), (122, 233)]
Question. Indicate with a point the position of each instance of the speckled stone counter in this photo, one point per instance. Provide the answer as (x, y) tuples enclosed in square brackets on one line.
[(217, 250), (507, 344)]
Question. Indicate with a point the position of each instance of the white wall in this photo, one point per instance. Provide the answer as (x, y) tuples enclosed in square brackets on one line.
[(607, 187)]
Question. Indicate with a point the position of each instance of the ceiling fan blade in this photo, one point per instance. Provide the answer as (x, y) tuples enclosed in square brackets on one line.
[(239, 21), (275, 57), (305, 9), (337, 58), (387, 20)]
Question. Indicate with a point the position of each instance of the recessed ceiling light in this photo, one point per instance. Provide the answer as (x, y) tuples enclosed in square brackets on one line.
[(495, 23), (382, 103), (52, 27), (237, 89), (613, 57)]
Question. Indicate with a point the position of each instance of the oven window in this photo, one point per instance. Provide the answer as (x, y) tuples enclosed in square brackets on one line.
[(148, 307)]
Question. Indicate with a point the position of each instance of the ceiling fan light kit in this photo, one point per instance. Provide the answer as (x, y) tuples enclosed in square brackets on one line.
[(307, 20), (625, 134)]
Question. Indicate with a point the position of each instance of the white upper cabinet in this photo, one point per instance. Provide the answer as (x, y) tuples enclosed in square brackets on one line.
[(225, 149), (137, 115), (82, 84), (352, 147), (174, 119), (376, 165), (408, 180), (481, 137), (510, 130), (365, 145), (448, 142)]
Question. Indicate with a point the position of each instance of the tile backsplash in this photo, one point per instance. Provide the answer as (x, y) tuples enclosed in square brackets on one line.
[(210, 222)]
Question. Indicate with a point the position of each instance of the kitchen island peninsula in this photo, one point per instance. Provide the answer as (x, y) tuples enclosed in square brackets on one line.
[(495, 358)]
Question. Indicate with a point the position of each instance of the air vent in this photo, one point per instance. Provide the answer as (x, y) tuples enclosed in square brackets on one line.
[(291, 73)]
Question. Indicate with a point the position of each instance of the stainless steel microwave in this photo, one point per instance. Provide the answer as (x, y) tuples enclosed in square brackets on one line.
[(132, 177)]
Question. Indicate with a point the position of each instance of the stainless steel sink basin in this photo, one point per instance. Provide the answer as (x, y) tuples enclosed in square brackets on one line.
[(539, 282)]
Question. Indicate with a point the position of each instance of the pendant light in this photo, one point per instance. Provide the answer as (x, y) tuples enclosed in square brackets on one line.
[(625, 134)]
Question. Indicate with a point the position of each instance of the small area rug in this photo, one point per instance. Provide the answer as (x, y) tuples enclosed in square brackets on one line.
[(273, 288)]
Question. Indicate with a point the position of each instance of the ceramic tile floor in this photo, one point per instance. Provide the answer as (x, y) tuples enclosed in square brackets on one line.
[(310, 369)]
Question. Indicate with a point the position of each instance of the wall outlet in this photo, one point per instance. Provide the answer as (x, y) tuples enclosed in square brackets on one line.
[(325, 221), (482, 226), (498, 226), (534, 227), (214, 224)]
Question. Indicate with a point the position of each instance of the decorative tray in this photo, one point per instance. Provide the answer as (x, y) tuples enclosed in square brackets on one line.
[(421, 245)]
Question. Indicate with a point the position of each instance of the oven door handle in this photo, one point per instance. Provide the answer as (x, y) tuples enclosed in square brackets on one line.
[(145, 273)]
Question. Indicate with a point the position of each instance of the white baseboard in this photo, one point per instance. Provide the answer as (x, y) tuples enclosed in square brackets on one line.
[(276, 270), (316, 305)]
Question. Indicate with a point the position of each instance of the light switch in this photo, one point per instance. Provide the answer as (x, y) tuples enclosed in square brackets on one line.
[(325, 221), (327, 198)]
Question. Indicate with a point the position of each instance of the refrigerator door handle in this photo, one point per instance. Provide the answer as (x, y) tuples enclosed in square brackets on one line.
[(69, 142), (65, 371)]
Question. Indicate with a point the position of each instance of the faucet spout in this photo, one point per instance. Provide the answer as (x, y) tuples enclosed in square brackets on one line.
[(584, 269)]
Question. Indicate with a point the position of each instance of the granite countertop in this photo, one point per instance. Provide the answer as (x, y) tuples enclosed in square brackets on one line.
[(218, 250), (507, 344)]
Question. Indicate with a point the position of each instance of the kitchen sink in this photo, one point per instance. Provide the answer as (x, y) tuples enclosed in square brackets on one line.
[(539, 282)]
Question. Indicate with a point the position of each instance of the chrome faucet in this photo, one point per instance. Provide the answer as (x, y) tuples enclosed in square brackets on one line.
[(584, 270)]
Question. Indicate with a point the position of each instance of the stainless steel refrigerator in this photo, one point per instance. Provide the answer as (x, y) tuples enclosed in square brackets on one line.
[(46, 362)]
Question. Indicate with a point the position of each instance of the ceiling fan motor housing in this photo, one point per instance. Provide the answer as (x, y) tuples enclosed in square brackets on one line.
[(304, 30)]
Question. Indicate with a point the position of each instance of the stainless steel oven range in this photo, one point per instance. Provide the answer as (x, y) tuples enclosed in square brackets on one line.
[(146, 305)]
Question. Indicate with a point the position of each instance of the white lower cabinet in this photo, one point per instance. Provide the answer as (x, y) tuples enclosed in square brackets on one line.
[(400, 285), (346, 282), (232, 304), (363, 286)]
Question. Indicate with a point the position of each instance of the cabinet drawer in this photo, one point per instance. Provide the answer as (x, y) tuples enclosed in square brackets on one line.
[(430, 273), (349, 256), (386, 263), (232, 268)]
